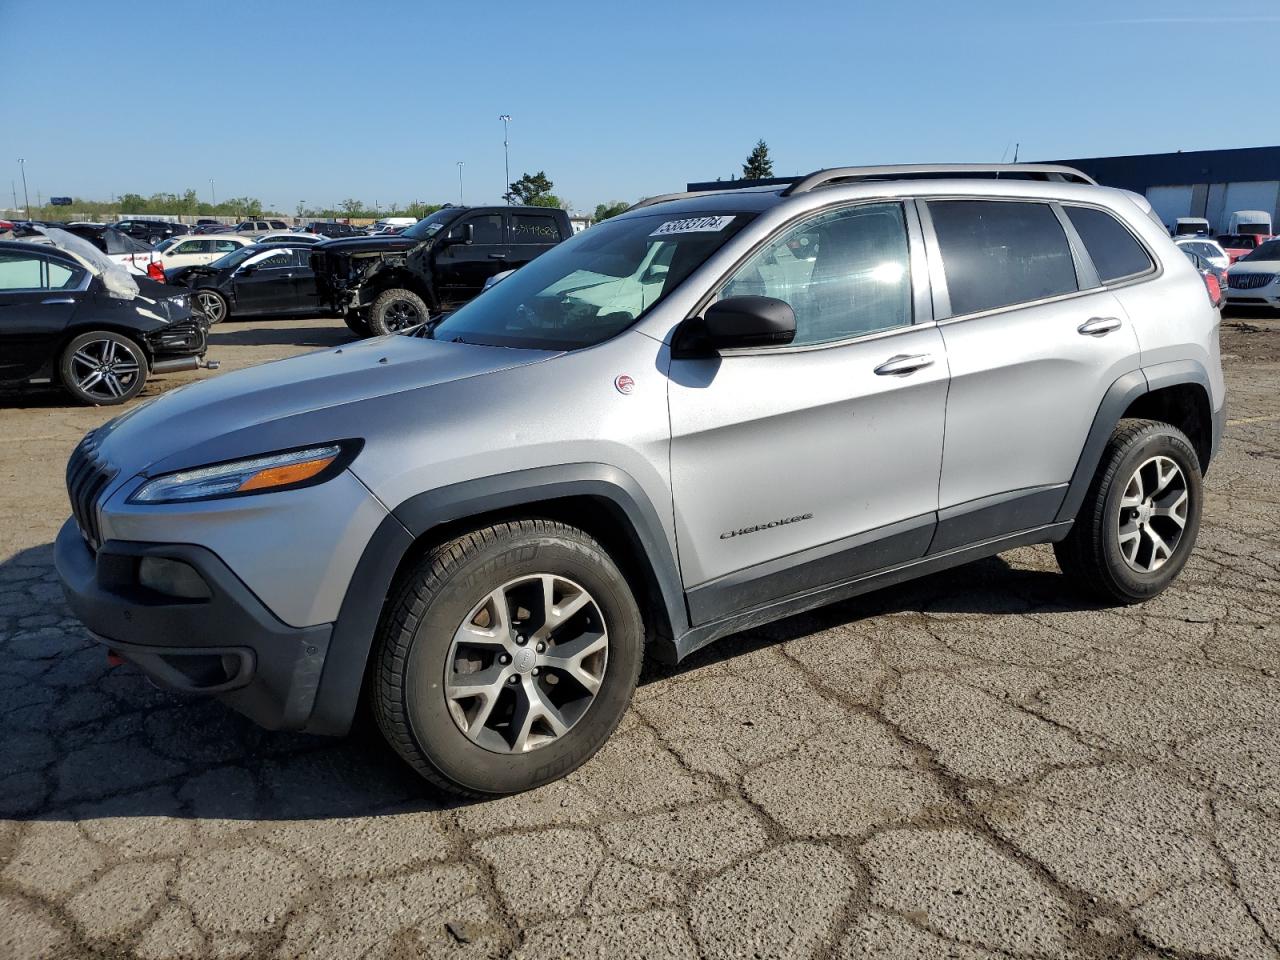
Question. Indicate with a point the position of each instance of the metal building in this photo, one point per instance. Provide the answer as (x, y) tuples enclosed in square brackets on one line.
[(1198, 183)]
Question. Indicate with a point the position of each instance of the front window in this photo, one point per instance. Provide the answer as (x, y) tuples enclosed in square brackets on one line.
[(428, 227), (234, 259), (594, 285), (1267, 251)]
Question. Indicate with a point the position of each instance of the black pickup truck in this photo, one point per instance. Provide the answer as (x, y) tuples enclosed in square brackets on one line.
[(384, 284)]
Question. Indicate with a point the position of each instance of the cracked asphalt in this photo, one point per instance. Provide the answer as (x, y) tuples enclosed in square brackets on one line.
[(979, 764)]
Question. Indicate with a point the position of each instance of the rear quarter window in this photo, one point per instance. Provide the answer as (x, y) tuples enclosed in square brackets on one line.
[(1115, 252), (997, 253)]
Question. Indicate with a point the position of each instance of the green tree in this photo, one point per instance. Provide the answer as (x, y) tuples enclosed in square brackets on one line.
[(758, 165), (606, 210), (352, 207), (534, 190)]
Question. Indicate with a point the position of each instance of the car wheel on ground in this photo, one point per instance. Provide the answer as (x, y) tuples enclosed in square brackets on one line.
[(213, 305), (507, 657), (1139, 519), (356, 324), (396, 310), (103, 368)]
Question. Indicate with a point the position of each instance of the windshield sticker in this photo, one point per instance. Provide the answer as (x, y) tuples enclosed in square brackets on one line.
[(693, 225)]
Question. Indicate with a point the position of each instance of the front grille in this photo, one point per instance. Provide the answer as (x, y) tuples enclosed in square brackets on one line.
[(1249, 281), (87, 477)]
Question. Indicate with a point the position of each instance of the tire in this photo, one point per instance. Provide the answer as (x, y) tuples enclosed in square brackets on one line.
[(1110, 550), (102, 368), (356, 324), (453, 741), (395, 310), (212, 304)]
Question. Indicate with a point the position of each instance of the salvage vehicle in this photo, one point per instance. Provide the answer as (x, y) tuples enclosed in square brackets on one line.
[(136, 256), (263, 278), (707, 413), (392, 282), (256, 228), (195, 251), (150, 231), (70, 317)]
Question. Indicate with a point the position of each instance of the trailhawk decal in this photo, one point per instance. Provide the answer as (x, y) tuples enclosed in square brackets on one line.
[(766, 526), (693, 225)]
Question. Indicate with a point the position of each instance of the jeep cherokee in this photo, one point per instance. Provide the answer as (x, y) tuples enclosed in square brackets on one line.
[(710, 412)]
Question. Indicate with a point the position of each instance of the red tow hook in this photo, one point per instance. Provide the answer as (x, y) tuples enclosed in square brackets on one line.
[(114, 659)]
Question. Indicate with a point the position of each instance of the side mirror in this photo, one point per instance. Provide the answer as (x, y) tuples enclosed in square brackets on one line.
[(468, 235), (247, 269), (736, 323)]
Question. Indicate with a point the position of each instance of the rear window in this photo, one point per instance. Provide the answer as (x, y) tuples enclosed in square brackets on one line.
[(1239, 241), (1115, 251), (533, 228), (998, 253)]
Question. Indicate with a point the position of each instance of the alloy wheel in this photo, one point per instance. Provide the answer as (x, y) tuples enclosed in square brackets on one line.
[(211, 306), (526, 663), (1153, 514), (104, 369), (401, 314)]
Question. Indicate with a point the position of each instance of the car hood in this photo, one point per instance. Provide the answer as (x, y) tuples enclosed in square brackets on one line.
[(1255, 266), (366, 244), (287, 403)]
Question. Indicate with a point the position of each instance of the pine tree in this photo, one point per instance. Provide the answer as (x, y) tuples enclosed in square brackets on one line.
[(758, 165)]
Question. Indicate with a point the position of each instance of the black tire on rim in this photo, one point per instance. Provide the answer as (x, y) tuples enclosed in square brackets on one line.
[(506, 657), (103, 368), (212, 304), (397, 310), (1139, 520)]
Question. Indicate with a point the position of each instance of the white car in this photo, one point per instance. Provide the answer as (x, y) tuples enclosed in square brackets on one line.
[(1208, 249), (1254, 279), (134, 255), (195, 251), (288, 236)]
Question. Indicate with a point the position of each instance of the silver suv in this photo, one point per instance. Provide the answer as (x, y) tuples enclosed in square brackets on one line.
[(713, 411)]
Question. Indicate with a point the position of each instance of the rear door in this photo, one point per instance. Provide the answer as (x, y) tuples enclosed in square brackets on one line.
[(462, 268), (800, 466), (531, 234), (38, 296), (1034, 341), (268, 286)]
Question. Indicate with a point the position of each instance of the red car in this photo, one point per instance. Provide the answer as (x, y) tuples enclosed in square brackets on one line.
[(1238, 245)]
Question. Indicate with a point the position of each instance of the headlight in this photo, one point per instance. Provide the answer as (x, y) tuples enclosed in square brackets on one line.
[(286, 470)]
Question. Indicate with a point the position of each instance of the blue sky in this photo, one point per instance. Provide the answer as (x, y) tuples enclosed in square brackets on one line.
[(318, 101)]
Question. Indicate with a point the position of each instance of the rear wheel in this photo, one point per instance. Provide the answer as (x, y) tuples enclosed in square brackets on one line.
[(1139, 520), (508, 657), (356, 324), (212, 304), (396, 310), (103, 368)]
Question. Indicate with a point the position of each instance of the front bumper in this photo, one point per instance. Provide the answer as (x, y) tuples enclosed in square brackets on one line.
[(228, 645)]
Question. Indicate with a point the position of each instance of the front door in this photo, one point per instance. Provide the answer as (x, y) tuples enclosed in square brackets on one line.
[(268, 285), (38, 295), (462, 268), (806, 465)]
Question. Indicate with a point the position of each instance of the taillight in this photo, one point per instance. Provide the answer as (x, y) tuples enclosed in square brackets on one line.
[(155, 271), (1214, 287)]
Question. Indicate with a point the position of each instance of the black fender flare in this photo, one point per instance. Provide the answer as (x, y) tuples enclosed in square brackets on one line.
[(1114, 403), (357, 623)]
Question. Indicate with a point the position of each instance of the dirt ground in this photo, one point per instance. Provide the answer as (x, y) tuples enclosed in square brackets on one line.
[(976, 765)]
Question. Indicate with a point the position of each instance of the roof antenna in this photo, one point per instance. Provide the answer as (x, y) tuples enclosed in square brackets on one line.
[(1016, 147)]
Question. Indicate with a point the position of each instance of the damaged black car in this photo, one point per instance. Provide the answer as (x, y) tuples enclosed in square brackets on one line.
[(392, 282)]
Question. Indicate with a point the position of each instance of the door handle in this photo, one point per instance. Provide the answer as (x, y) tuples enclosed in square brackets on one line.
[(53, 300), (1099, 326), (497, 256), (902, 364)]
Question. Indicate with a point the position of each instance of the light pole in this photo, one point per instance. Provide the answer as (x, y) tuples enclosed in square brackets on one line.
[(460, 203), (506, 156), (213, 197), (26, 200)]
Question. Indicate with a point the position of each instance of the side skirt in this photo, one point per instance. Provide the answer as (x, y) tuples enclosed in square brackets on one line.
[(700, 636)]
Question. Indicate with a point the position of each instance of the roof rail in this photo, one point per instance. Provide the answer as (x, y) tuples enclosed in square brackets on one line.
[(926, 171), (663, 198)]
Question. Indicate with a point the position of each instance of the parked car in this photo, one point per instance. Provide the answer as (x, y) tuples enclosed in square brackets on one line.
[(256, 228), (1256, 222), (254, 280), (290, 236), (70, 317), (479, 531), (150, 231), (1254, 279), (387, 284), (1215, 278), (193, 251), (1191, 227), (207, 228), (390, 224), (132, 254), (1237, 245), (1208, 249), (327, 228)]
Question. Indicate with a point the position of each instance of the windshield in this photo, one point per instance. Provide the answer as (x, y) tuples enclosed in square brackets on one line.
[(1191, 227), (1267, 251), (428, 227), (593, 286), (235, 258)]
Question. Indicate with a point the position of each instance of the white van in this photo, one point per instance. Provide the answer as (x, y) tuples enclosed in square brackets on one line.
[(1190, 227), (392, 222), (1251, 221)]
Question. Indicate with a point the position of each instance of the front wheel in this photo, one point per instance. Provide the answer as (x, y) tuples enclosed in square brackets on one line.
[(507, 658), (396, 310), (1139, 520), (103, 368), (212, 304)]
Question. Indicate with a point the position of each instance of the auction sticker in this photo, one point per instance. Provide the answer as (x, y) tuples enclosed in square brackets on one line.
[(693, 225)]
